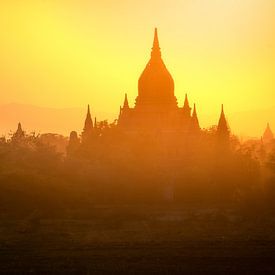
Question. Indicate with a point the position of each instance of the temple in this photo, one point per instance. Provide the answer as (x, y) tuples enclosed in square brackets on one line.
[(268, 135), (156, 112), (19, 134), (156, 106)]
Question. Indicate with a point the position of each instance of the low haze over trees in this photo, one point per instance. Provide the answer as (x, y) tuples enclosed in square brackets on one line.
[(110, 167)]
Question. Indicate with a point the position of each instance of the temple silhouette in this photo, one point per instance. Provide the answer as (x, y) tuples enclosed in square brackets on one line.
[(268, 134), (156, 112), (156, 150)]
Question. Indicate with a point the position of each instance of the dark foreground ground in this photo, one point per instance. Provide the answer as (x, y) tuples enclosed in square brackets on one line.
[(138, 240)]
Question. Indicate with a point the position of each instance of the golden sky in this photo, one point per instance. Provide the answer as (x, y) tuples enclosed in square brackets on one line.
[(70, 53)]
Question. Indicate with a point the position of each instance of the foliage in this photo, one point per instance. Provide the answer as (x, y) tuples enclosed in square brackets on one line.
[(117, 168)]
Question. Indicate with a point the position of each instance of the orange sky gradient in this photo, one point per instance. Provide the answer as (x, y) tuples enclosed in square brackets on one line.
[(70, 53)]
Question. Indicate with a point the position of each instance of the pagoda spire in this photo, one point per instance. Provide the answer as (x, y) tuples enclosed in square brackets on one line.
[(186, 102), (19, 133), (222, 120), (126, 103), (186, 107), (156, 49), (223, 129), (268, 134), (19, 128), (124, 112), (88, 125), (195, 120)]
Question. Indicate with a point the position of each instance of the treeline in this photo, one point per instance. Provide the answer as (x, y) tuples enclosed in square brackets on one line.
[(116, 169)]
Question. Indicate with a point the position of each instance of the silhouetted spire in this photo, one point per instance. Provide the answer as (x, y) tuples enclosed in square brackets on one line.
[(124, 113), (19, 132), (223, 129), (223, 133), (156, 40), (186, 102), (195, 120), (88, 121), (268, 135), (126, 104), (88, 127), (95, 123), (19, 128), (156, 49), (186, 107)]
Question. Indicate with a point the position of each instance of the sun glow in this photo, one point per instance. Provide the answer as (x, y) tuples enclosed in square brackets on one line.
[(70, 53)]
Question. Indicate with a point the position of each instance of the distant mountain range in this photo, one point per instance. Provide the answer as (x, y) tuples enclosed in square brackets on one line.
[(44, 120)]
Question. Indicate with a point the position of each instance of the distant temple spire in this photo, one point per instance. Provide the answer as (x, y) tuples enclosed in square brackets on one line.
[(186, 107), (19, 133), (268, 134), (126, 103), (124, 112), (222, 126), (223, 131), (195, 120), (88, 121), (19, 129), (88, 126)]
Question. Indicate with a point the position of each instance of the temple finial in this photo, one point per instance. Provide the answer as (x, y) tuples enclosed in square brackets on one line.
[(126, 103), (156, 49), (156, 40)]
